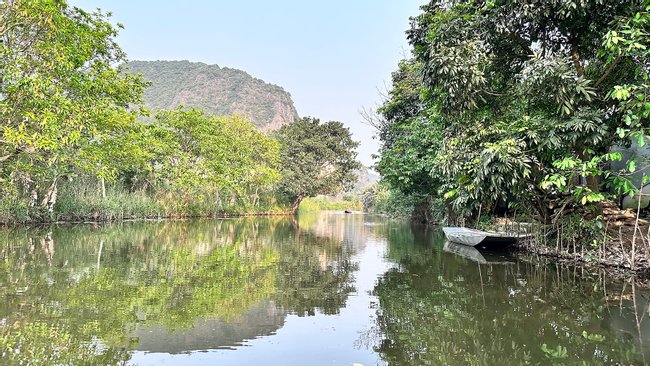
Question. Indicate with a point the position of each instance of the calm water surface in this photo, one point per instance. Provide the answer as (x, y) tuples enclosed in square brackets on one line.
[(323, 289)]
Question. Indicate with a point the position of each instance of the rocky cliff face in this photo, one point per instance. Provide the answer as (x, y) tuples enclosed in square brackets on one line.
[(364, 178), (220, 91)]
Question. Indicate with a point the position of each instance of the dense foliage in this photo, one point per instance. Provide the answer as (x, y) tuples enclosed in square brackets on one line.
[(316, 158), (196, 154), (520, 104), (61, 100), (76, 142)]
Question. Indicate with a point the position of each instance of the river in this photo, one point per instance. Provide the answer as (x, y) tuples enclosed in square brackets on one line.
[(319, 289)]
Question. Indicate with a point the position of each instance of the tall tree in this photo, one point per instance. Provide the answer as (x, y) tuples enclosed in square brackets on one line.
[(520, 97), (60, 93), (315, 158)]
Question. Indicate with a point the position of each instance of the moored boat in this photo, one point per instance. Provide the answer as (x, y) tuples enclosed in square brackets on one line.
[(482, 239)]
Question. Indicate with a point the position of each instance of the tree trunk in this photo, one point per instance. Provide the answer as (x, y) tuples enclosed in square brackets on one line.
[(451, 213), (575, 56), (33, 198), (592, 181), (296, 203), (256, 197), (50, 197), (103, 187)]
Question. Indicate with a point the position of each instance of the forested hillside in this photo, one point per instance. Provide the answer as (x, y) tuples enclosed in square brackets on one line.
[(216, 90)]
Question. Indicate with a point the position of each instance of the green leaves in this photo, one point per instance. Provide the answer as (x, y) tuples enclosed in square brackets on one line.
[(593, 337), (518, 103), (64, 106), (199, 153), (558, 352), (631, 166), (316, 158)]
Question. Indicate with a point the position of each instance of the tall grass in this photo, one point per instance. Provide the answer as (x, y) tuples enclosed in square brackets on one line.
[(15, 211), (82, 200), (322, 203), (83, 205)]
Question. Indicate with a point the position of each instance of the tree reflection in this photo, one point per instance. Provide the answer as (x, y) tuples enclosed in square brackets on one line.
[(446, 310), (79, 293), (315, 275)]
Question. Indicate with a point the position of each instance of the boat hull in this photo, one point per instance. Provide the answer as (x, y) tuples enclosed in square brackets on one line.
[(477, 238)]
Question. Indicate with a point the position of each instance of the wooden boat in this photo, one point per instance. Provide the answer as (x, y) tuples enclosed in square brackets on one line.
[(481, 239)]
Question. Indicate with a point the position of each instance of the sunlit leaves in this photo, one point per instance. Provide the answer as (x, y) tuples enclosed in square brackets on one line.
[(196, 153), (558, 352), (61, 96), (316, 158)]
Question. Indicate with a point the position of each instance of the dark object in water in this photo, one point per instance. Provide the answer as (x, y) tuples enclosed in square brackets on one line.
[(347, 211)]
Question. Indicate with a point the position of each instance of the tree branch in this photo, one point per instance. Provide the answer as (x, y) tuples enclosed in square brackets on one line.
[(575, 56), (607, 72)]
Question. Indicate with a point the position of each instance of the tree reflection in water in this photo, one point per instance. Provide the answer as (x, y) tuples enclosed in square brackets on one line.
[(87, 295), (76, 295), (436, 308)]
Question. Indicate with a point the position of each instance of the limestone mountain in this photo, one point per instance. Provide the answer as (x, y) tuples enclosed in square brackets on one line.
[(365, 177), (217, 90)]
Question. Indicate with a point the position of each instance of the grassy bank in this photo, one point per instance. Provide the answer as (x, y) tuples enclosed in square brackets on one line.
[(84, 202)]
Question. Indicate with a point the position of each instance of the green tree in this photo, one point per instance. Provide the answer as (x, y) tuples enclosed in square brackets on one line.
[(198, 154), (517, 101), (411, 136), (316, 158), (61, 98)]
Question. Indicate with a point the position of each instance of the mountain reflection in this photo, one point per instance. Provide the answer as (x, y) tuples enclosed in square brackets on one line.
[(100, 292)]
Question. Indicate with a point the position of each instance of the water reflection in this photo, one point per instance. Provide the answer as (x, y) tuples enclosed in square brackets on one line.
[(322, 289), (473, 254), (173, 286), (485, 313), (262, 319)]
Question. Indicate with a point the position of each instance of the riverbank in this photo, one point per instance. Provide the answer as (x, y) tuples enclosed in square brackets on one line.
[(128, 206), (92, 220), (618, 248)]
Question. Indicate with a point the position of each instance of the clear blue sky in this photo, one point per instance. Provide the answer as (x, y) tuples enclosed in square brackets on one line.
[(332, 56)]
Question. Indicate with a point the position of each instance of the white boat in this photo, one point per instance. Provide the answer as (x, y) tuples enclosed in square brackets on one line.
[(478, 238)]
